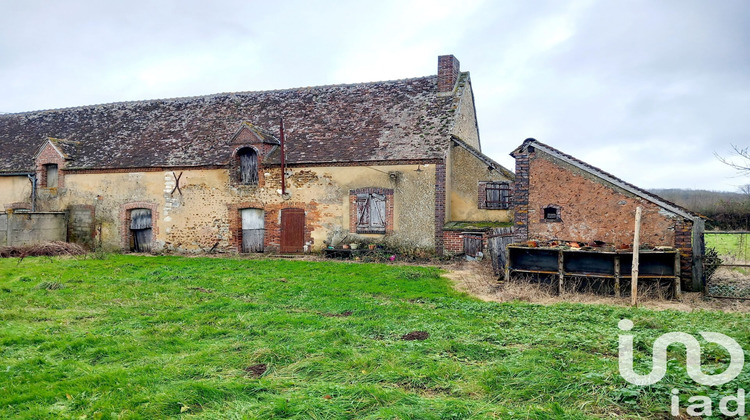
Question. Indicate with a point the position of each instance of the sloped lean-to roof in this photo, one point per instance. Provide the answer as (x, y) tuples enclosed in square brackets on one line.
[(379, 121), (609, 178)]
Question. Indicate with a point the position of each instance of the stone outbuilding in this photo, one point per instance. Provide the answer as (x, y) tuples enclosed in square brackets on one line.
[(558, 197)]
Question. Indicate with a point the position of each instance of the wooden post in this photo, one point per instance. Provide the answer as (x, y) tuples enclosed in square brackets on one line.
[(677, 281), (636, 246), (560, 272), (507, 263), (617, 276)]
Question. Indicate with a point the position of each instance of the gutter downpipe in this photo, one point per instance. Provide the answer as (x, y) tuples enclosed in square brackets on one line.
[(32, 179), (283, 169)]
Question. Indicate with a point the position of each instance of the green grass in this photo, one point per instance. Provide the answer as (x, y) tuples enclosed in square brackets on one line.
[(155, 337), (736, 246)]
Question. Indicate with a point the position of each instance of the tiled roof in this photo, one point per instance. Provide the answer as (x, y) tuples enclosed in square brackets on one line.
[(380, 121)]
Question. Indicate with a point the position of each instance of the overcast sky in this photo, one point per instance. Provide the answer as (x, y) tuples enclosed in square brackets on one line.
[(647, 90)]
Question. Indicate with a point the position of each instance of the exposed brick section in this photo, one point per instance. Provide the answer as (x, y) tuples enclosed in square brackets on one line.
[(448, 71), (520, 199), (388, 192), (440, 191), (683, 240), (453, 241), (125, 221), (272, 222), (50, 155)]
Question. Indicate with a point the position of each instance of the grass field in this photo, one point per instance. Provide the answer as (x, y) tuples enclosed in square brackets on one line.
[(733, 245), (156, 337)]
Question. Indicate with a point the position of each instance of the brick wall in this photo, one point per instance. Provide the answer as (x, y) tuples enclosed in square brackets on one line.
[(439, 206), (272, 222), (520, 199), (453, 241), (49, 155), (590, 209), (448, 69)]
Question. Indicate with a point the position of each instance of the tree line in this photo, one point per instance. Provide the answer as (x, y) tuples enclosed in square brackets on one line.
[(724, 210)]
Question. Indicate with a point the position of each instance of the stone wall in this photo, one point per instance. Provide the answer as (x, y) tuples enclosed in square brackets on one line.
[(206, 212), (30, 228)]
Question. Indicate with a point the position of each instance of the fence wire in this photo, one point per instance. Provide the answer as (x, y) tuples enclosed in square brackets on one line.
[(728, 269)]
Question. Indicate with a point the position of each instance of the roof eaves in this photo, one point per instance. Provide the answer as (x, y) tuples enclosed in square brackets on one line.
[(484, 158), (674, 208)]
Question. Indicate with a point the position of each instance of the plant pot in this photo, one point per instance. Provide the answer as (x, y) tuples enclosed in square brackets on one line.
[(371, 247)]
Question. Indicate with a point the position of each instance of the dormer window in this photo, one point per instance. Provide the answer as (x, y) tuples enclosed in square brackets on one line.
[(50, 175), (248, 158)]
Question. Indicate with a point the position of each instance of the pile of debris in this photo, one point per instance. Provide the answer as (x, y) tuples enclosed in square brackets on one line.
[(45, 249), (592, 246)]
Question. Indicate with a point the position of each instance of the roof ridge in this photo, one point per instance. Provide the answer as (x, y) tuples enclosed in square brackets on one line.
[(215, 95)]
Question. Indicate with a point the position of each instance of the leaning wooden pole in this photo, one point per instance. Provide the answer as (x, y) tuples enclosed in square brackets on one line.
[(636, 247)]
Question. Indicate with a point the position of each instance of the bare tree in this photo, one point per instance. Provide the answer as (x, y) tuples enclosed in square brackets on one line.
[(740, 159)]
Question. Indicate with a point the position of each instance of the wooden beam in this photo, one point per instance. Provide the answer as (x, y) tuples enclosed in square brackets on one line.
[(617, 276)]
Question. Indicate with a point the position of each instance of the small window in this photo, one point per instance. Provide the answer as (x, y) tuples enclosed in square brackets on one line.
[(248, 166), (371, 213), (551, 213), (497, 195), (50, 175)]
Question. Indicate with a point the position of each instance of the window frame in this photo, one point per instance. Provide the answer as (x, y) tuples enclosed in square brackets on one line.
[(254, 176), (47, 167), (371, 211)]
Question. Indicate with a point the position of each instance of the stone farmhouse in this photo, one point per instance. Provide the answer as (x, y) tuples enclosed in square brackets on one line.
[(398, 159)]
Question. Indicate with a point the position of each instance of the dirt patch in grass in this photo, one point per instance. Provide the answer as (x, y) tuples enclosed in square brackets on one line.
[(416, 335), (477, 279), (340, 315), (256, 371)]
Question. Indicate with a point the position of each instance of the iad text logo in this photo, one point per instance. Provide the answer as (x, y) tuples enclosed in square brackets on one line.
[(693, 365)]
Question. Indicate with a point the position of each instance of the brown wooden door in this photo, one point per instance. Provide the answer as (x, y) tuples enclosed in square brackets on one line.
[(292, 230)]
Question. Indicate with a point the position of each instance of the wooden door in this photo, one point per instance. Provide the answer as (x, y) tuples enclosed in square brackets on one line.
[(292, 230), (472, 244), (253, 230), (140, 230)]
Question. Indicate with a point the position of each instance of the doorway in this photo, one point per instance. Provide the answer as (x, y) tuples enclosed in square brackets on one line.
[(253, 230), (141, 231), (292, 230)]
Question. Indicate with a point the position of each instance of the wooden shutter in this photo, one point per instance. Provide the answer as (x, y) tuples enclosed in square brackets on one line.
[(363, 211), (248, 166), (377, 212)]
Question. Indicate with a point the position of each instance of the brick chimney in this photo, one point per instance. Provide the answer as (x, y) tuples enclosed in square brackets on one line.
[(448, 68)]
